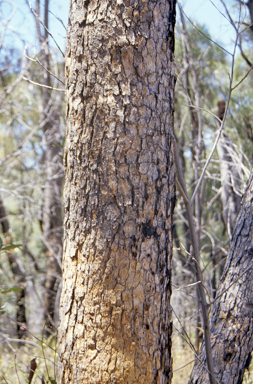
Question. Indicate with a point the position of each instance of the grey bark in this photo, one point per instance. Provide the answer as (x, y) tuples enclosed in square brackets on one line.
[(52, 222), (231, 319), (119, 193), (18, 271), (230, 182)]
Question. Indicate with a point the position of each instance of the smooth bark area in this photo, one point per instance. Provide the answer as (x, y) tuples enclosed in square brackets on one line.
[(119, 193), (231, 320)]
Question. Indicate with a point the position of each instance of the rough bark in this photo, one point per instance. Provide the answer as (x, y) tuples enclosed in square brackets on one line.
[(231, 320), (119, 193)]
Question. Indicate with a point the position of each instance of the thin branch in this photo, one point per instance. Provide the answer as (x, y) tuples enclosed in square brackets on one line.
[(50, 34), (181, 190), (207, 37), (6, 22), (188, 285), (222, 14), (243, 54), (203, 109), (4, 377), (178, 369), (36, 60), (35, 337), (43, 85), (201, 288), (221, 127), (20, 341), (16, 369), (60, 20), (244, 77)]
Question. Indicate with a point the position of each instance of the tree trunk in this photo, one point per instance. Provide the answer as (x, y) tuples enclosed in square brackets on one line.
[(52, 222), (230, 177), (231, 320), (119, 193), (18, 271), (230, 183)]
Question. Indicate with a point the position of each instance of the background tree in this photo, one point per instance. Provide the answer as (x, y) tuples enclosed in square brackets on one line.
[(234, 159), (119, 193), (30, 172), (52, 163), (231, 324), (230, 321)]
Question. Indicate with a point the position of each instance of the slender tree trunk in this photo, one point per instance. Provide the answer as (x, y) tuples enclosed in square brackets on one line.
[(230, 178), (18, 271), (231, 320), (230, 182), (119, 193), (52, 222), (52, 215)]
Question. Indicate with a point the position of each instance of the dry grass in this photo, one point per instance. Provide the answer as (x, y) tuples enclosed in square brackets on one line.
[(14, 365), (183, 360)]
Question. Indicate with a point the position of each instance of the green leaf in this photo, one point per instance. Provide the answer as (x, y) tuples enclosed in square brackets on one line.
[(52, 381), (10, 246), (13, 289), (1, 242)]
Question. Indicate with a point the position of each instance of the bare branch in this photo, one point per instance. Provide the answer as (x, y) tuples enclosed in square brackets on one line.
[(43, 85), (244, 77), (207, 37), (221, 127), (36, 60), (46, 29), (201, 288)]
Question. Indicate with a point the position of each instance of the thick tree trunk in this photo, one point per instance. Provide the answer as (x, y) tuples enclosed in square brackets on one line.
[(119, 193), (231, 320)]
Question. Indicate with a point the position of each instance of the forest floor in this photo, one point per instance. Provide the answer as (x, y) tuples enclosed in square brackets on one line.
[(14, 365)]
